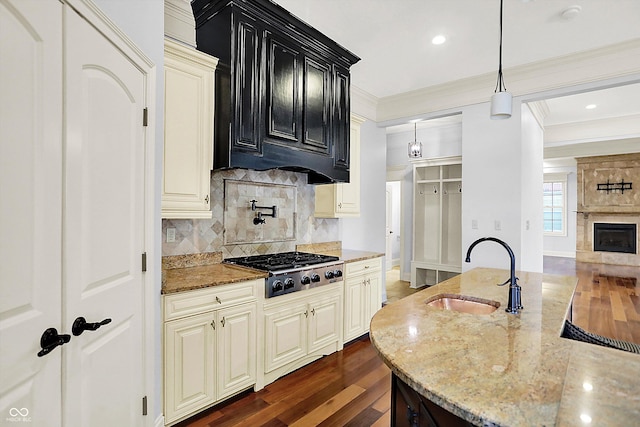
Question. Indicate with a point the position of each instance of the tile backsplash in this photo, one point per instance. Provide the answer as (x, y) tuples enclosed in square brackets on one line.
[(231, 230)]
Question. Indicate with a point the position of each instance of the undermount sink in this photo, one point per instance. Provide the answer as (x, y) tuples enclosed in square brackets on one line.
[(463, 304)]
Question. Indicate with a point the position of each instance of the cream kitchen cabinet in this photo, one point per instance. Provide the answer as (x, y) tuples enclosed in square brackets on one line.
[(209, 346), (362, 295), (300, 328), (343, 200), (188, 131)]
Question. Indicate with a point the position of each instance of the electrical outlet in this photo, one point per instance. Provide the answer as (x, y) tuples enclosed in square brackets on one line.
[(474, 224), (171, 235), (526, 225), (497, 225)]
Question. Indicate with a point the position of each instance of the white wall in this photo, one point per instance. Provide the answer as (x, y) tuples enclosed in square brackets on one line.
[(532, 142), (143, 22), (368, 231), (491, 176)]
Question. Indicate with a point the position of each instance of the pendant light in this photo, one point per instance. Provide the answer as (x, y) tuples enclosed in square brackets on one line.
[(501, 99), (415, 147)]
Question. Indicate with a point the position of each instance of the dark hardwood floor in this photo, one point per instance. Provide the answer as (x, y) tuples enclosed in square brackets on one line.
[(348, 388), (607, 297), (353, 387)]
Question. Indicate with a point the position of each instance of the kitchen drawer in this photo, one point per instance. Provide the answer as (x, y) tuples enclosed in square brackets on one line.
[(201, 300), (366, 266)]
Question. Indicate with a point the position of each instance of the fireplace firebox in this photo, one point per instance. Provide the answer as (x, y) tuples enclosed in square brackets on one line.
[(614, 237)]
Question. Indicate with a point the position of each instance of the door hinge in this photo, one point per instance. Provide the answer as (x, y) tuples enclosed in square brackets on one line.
[(144, 262), (145, 117), (144, 405)]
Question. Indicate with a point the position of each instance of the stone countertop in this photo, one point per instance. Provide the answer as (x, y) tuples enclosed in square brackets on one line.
[(350, 255), (189, 278), (507, 369)]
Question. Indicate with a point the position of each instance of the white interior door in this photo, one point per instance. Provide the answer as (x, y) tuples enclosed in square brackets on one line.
[(103, 229), (30, 209)]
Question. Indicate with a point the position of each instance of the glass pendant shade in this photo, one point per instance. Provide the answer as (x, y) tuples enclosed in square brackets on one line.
[(415, 147), (500, 105), (415, 150)]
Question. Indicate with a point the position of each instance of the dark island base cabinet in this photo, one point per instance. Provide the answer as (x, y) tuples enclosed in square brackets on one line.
[(410, 409)]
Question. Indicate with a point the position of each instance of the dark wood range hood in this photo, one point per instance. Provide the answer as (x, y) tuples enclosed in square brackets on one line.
[(282, 90)]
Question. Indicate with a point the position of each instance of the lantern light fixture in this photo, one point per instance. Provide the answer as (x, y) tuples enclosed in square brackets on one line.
[(415, 147)]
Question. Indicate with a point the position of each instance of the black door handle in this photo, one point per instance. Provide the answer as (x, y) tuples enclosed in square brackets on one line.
[(80, 325), (50, 340)]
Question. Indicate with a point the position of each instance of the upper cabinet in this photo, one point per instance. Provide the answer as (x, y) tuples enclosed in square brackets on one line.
[(282, 90), (343, 199), (188, 132)]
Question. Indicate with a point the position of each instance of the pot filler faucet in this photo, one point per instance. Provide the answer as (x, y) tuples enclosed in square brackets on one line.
[(514, 304), (259, 218)]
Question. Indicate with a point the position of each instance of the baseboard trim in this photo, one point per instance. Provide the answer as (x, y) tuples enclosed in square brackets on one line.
[(560, 254), (159, 422)]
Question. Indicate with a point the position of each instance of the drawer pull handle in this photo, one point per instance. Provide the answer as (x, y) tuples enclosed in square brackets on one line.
[(218, 300), (366, 266)]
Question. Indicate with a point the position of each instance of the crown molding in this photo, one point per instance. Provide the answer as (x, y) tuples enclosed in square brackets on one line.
[(363, 103), (593, 148), (593, 130), (540, 110), (619, 61), (179, 23)]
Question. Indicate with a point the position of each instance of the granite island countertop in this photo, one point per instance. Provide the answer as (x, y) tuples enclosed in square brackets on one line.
[(503, 369), (204, 276)]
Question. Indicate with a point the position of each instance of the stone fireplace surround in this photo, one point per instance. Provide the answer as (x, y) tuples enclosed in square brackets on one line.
[(596, 206)]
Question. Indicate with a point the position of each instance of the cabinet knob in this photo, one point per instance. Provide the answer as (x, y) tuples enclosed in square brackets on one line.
[(218, 300), (306, 313), (213, 324), (206, 198), (222, 321), (313, 311)]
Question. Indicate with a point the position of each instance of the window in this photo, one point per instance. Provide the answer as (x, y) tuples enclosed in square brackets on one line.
[(555, 201)]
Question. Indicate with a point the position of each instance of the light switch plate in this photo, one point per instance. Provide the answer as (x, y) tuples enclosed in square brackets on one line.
[(171, 235)]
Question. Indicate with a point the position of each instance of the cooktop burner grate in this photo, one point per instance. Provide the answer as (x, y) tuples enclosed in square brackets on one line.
[(282, 261)]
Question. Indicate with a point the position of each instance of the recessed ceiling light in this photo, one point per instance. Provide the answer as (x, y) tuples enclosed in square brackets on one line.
[(590, 106), (439, 39), (571, 12)]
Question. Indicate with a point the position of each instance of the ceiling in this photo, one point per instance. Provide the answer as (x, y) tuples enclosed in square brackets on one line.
[(393, 40)]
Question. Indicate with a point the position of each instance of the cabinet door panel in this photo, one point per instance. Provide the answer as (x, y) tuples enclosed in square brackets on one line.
[(324, 322), (247, 88), (283, 91), (316, 105), (285, 336), (189, 365), (236, 349), (373, 296), (353, 302), (341, 118)]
